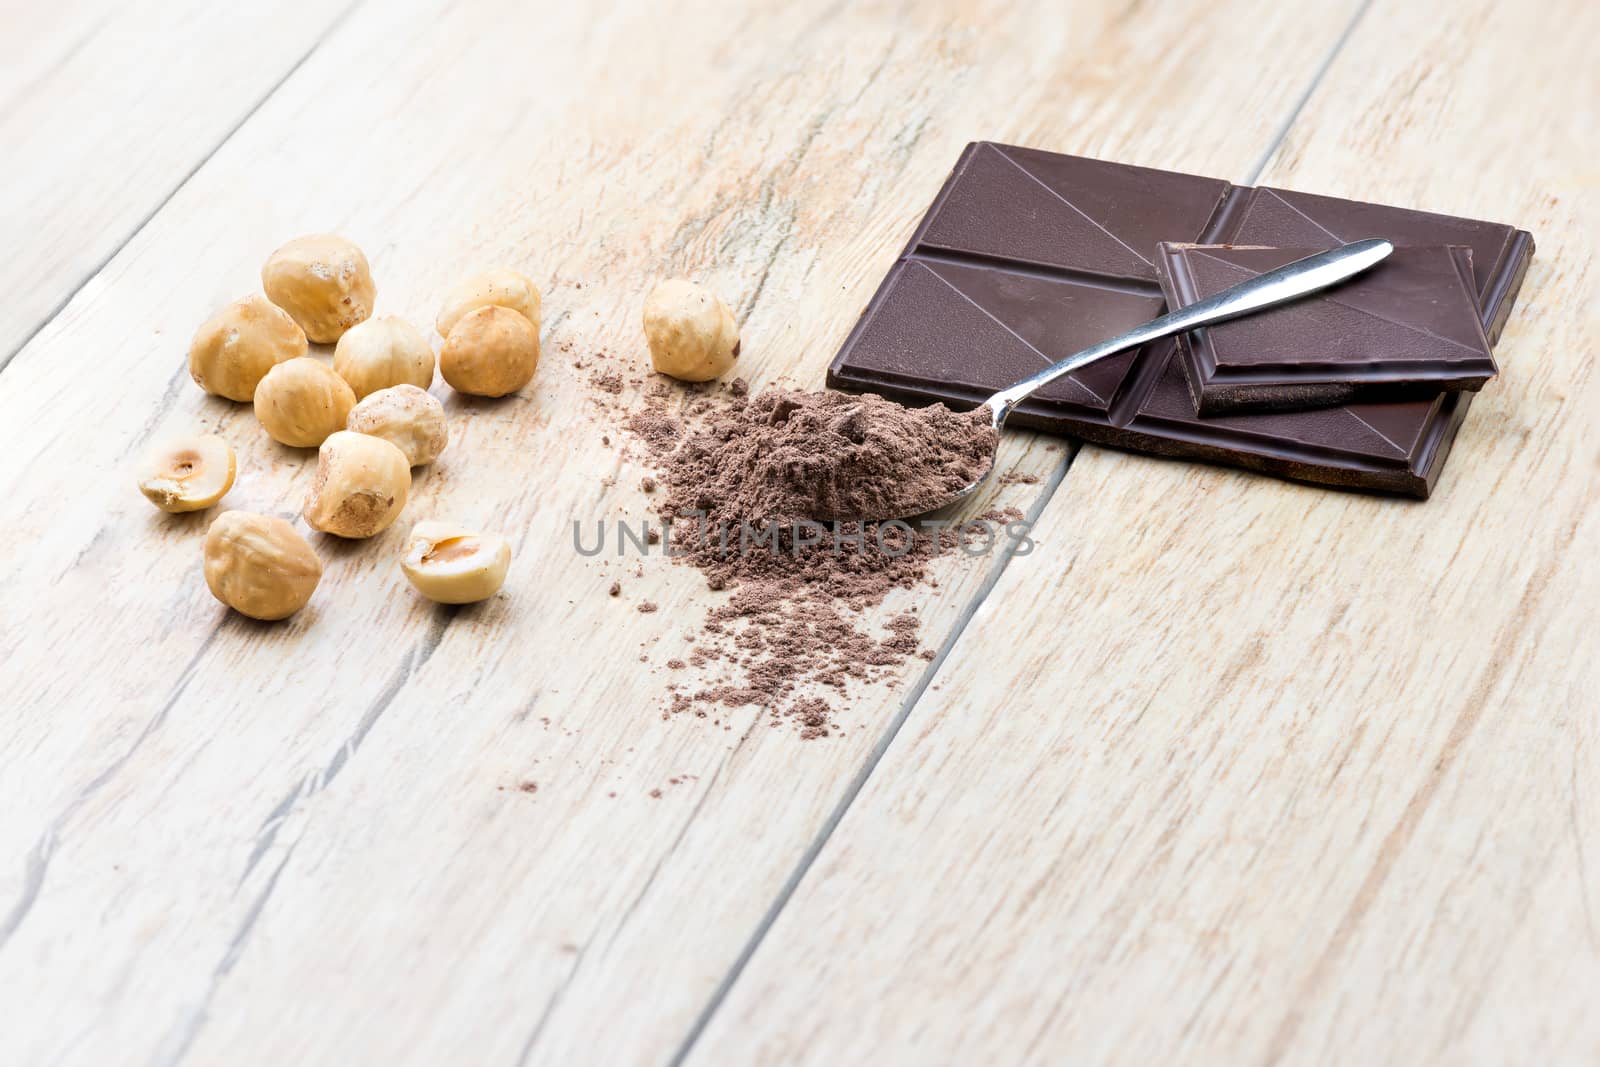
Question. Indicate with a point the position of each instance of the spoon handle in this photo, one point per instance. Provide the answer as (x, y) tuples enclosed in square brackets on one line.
[(1288, 282)]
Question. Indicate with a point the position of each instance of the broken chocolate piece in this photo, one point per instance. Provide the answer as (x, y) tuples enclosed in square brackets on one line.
[(1408, 327)]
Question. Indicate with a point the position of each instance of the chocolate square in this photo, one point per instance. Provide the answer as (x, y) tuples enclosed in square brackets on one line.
[(1041, 209)]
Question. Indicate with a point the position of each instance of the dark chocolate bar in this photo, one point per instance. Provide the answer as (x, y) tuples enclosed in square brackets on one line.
[(1028, 256), (1405, 328)]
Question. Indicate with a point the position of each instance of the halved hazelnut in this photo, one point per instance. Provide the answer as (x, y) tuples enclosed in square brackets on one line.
[(450, 564), (187, 473)]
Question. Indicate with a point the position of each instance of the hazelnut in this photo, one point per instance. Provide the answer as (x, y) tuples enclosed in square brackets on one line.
[(323, 282), (235, 348), (259, 565), (361, 485), (452, 565), (407, 417), (299, 403), (491, 351), (381, 352), (691, 333), (500, 287), (187, 473)]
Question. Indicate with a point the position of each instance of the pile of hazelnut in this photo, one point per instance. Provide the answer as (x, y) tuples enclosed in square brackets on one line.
[(370, 416)]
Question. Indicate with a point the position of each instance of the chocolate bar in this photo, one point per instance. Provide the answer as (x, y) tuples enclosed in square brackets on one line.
[(1027, 256), (1405, 328)]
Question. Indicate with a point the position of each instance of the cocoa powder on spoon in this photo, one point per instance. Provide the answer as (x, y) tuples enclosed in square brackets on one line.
[(788, 456)]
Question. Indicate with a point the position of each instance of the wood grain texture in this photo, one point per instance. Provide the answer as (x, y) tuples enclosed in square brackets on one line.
[(105, 109), (231, 842), (1279, 774)]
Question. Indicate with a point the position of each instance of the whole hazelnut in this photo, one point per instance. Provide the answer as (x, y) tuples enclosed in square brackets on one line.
[(259, 565), (323, 282), (501, 287), (233, 350), (450, 564), (361, 485), (381, 352), (491, 351), (188, 473), (409, 418), (691, 333), (299, 403)]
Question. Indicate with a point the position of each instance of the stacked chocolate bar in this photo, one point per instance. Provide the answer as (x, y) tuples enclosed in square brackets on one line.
[(1028, 256)]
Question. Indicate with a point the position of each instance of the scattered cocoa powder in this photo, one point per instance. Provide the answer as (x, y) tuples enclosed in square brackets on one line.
[(655, 427), (1002, 516), (648, 607), (813, 716)]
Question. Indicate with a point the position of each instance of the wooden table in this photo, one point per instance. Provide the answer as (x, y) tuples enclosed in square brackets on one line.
[(1226, 770)]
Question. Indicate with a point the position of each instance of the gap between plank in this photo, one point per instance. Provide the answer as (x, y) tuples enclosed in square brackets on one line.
[(880, 749), (1321, 72), (138, 227)]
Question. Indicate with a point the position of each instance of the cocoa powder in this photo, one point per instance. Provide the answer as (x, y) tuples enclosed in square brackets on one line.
[(742, 478)]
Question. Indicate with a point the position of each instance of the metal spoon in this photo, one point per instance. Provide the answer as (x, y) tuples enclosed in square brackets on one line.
[(1288, 282)]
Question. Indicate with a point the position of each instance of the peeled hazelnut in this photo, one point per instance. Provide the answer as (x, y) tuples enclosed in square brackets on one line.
[(452, 565), (235, 348), (407, 417), (382, 352), (187, 473), (259, 565), (491, 351), (361, 485), (691, 333), (500, 287), (301, 402), (323, 282)]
